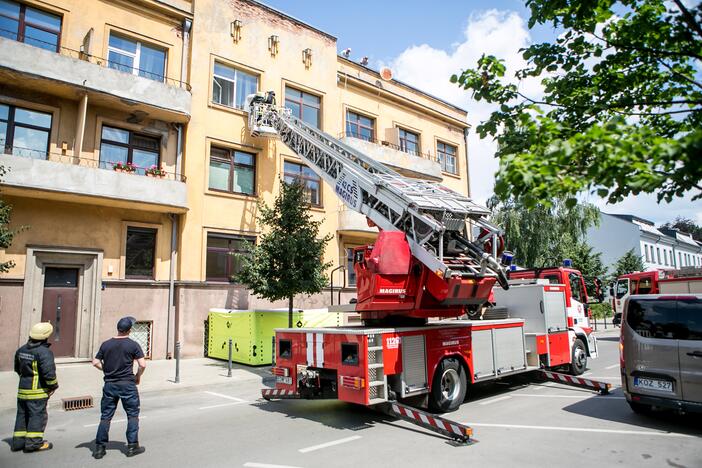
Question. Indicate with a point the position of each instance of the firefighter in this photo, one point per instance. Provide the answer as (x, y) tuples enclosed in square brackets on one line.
[(34, 363)]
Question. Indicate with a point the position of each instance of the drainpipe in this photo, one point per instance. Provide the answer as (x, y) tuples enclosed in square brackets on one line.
[(80, 126), (170, 321), (465, 139), (187, 24), (179, 152)]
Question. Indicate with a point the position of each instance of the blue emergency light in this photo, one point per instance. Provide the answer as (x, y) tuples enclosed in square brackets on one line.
[(567, 262)]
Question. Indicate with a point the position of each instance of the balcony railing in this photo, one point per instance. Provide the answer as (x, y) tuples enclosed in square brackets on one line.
[(103, 62), (387, 144), (86, 162)]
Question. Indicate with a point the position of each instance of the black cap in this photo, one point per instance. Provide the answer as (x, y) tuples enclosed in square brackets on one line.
[(125, 324)]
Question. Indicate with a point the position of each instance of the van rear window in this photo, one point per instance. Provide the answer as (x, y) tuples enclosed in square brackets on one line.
[(669, 319)]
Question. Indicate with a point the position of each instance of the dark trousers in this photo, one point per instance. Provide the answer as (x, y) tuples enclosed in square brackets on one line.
[(30, 424), (112, 393)]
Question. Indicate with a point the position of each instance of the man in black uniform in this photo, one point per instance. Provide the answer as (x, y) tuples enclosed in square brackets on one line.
[(34, 363), (116, 358)]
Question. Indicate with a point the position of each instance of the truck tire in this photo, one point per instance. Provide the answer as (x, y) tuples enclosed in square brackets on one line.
[(449, 386), (578, 358)]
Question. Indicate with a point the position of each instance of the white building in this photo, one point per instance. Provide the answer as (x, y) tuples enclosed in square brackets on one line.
[(617, 234)]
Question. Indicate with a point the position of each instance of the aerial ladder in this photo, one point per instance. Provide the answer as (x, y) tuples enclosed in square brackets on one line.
[(457, 269)]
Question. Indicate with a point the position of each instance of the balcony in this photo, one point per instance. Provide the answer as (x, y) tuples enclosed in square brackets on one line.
[(354, 223), (421, 166), (65, 72), (81, 180)]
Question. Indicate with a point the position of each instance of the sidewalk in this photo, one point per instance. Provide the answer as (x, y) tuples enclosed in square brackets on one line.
[(83, 379)]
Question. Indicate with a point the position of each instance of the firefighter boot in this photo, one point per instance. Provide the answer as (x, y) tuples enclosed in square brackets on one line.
[(45, 445), (99, 451), (134, 449)]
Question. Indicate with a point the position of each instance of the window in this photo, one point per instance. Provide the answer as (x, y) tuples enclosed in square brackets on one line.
[(622, 288), (24, 132), (359, 126), (658, 255), (231, 86), (351, 273), (576, 287), (349, 354), (285, 349), (307, 177), (26, 24), (645, 286), (552, 279), (140, 253), (665, 257), (447, 157), (119, 145), (131, 56), (648, 258), (232, 171), (679, 260), (652, 318), (223, 262), (690, 319), (409, 141), (303, 105)]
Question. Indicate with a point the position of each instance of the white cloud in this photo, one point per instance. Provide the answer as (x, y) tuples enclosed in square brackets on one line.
[(502, 34)]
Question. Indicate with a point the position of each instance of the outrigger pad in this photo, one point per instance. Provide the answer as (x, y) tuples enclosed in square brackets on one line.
[(602, 387), (432, 422)]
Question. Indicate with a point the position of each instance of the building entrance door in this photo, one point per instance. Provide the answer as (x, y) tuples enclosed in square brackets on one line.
[(60, 307)]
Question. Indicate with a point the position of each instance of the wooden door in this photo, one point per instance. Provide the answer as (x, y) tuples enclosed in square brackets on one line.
[(60, 307)]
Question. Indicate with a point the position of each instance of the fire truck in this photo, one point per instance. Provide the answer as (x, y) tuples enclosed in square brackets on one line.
[(424, 265), (684, 280)]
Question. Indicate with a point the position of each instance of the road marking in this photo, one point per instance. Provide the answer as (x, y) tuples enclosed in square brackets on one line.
[(586, 395), (226, 396), (329, 444), (223, 404), (611, 367), (111, 422), (580, 429), (266, 465), (494, 400)]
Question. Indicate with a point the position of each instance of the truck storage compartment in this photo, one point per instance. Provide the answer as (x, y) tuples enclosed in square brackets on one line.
[(497, 352)]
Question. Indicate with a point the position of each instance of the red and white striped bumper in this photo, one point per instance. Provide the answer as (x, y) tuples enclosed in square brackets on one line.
[(279, 394)]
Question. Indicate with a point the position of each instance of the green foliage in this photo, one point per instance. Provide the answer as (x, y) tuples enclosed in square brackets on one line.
[(546, 234), (621, 112), (589, 263), (685, 225), (628, 263), (288, 259), (601, 310), (6, 234)]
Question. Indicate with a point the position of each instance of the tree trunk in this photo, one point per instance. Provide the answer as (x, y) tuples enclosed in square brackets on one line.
[(290, 312)]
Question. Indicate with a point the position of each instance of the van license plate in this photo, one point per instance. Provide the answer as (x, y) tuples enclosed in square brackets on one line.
[(283, 380), (653, 384)]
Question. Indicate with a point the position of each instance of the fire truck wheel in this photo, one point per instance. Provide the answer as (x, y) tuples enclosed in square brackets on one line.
[(449, 386), (578, 360)]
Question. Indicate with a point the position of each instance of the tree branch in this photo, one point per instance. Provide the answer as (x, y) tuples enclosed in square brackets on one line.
[(688, 17), (685, 77), (649, 50)]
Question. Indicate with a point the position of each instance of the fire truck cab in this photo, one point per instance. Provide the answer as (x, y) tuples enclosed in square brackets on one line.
[(640, 282)]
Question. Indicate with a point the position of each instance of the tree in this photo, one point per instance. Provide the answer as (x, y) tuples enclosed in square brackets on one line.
[(545, 234), (628, 263), (589, 263), (288, 259), (6, 234), (685, 225), (621, 111)]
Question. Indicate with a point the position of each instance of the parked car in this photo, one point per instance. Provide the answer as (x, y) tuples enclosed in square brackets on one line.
[(661, 352)]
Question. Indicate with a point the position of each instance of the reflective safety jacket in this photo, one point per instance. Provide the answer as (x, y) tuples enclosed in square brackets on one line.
[(34, 363)]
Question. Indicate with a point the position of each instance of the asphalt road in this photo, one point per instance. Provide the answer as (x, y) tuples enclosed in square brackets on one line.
[(515, 425)]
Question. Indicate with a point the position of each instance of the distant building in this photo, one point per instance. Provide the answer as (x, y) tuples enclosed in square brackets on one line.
[(659, 249)]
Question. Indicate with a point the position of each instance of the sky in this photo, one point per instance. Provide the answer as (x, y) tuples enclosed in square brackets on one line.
[(425, 46)]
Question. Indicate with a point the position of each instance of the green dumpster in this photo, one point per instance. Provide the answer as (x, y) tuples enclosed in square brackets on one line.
[(251, 331)]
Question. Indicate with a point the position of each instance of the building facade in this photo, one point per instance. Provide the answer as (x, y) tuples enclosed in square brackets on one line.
[(660, 249), (132, 175)]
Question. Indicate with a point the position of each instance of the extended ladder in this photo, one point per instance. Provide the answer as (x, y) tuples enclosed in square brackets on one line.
[(432, 216)]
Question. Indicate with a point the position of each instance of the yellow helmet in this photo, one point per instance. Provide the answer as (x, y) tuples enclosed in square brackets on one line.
[(41, 331)]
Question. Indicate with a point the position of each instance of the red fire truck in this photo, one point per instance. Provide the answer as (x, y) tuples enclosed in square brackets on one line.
[(686, 280), (423, 265)]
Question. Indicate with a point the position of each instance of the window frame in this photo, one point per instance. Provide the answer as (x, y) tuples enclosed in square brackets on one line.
[(143, 229), (402, 141), (22, 24), (136, 55), (130, 146), (304, 178), (237, 70), (446, 154), (302, 104), (351, 279), (357, 123), (232, 164), (229, 237), (11, 124)]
